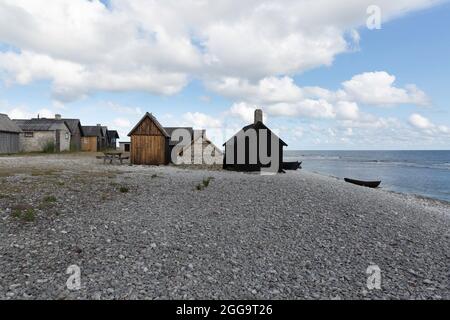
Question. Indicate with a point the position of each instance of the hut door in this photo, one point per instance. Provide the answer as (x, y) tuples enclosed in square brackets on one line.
[(58, 141)]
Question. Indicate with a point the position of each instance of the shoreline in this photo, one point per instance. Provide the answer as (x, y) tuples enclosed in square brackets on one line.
[(399, 193)]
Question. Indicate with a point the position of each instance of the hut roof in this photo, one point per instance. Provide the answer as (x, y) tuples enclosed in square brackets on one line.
[(152, 118), (73, 124), (113, 134), (170, 130), (7, 125), (41, 124), (258, 126), (92, 131)]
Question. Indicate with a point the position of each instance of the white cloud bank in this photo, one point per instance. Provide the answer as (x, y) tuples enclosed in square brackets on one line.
[(158, 46)]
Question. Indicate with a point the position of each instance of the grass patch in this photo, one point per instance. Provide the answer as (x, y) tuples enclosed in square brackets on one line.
[(205, 183), (124, 189), (50, 199), (24, 213)]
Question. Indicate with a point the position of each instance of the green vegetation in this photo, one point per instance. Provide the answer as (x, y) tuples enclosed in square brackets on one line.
[(49, 199), (49, 147), (205, 183), (124, 190), (24, 214)]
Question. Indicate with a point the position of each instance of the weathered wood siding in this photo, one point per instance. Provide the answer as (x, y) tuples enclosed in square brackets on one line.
[(9, 142), (148, 145), (89, 144), (148, 150)]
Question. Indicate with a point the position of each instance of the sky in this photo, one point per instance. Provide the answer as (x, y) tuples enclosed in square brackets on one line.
[(329, 75)]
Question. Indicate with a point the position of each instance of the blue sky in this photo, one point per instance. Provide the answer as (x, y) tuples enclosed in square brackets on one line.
[(320, 86)]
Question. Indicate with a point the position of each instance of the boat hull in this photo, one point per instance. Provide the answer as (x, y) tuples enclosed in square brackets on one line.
[(368, 184)]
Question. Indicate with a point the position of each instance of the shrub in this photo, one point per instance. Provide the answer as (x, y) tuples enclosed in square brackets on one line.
[(27, 215), (124, 190), (50, 199), (49, 147)]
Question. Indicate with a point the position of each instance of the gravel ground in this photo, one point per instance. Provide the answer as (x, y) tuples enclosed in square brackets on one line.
[(148, 233)]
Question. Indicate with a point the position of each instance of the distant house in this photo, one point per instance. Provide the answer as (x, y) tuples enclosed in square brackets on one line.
[(9, 135), (125, 146), (149, 142), (199, 150), (40, 134), (113, 136), (242, 151), (92, 138), (76, 132)]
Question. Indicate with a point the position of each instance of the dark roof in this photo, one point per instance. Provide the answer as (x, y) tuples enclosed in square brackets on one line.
[(41, 124), (259, 125), (170, 130), (92, 131), (7, 125), (113, 134), (105, 130), (149, 115), (73, 124)]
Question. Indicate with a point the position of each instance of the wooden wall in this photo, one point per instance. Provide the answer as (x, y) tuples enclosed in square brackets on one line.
[(89, 144), (148, 145), (148, 150), (9, 142)]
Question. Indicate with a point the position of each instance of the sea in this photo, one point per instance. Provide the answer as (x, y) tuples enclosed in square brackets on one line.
[(423, 173)]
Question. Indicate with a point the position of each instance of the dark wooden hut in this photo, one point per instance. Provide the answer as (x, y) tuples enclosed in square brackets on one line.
[(76, 132), (113, 136), (250, 156), (9, 135), (149, 142)]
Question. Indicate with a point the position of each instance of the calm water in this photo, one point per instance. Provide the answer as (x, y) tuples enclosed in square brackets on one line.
[(424, 173)]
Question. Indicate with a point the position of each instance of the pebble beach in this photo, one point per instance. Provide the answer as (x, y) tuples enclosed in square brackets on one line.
[(139, 232)]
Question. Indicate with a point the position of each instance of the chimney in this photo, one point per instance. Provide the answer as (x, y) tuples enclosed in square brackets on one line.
[(258, 116), (57, 116)]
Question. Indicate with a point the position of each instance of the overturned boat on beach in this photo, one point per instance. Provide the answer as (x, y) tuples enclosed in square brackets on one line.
[(292, 165), (368, 184)]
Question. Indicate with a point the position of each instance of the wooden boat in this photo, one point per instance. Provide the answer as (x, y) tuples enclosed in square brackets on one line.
[(292, 165), (369, 184)]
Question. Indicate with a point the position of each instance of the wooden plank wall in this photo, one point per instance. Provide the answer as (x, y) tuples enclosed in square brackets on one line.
[(9, 142), (148, 150), (89, 144)]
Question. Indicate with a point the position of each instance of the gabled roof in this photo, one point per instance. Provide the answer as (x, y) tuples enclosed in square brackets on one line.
[(152, 118), (113, 134), (73, 124), (7, 125), (105, 130), (92, 131), (258, 126), (41, 124), (170, 130)]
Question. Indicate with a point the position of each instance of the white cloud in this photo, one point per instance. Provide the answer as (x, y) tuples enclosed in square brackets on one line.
[(420, 122), (158, 46), (122, 123), (200, 120), (347, 110), (377, 88)]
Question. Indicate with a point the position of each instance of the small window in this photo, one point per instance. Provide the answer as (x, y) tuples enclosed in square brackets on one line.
[(29, 134), (67, 136)]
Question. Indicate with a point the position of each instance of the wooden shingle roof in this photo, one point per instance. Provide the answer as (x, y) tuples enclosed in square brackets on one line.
[(42, 124)]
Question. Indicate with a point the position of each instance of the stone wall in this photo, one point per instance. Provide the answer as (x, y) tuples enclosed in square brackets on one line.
[(40, 139)]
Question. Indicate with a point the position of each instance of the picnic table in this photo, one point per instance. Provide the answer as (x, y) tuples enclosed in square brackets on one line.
[(113, 155)]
